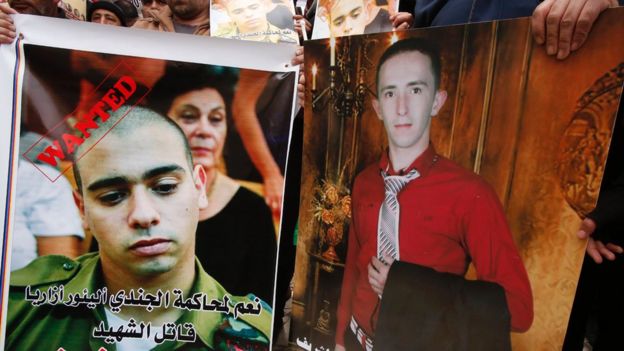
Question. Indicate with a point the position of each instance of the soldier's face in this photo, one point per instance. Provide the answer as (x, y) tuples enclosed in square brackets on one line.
[(348, 18), (141, 201), (249, 15)]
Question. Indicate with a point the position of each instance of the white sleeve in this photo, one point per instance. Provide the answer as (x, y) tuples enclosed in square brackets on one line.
[(53, 211)]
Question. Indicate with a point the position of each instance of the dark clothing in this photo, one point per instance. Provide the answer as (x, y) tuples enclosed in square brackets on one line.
[(290, 215), (598, 304), (381, 23), (273, 109), (446, 12), (237, 246), (451, 313)]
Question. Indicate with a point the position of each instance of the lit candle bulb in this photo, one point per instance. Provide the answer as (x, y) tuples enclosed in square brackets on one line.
[(314, 72), (332, 46), (394, 38)]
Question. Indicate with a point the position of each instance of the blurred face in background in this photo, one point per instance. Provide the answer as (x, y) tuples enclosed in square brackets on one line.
[(188, 9), (153, 5), (103, 16), (35, 7)]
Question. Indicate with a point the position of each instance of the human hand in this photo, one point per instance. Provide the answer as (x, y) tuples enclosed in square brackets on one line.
[(273, 193), (7, 28), (378, 273), (596, 249), (402, 20), (298, 60), (563, 25), (339, 348), (308, 26)]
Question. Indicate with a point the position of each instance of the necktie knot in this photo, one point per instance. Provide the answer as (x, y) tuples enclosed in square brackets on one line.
[(395, 183)]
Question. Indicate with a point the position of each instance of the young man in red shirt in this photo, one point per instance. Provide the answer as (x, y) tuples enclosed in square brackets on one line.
[(419, 207)]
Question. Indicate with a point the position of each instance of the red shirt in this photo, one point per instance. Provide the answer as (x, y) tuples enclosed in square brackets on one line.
[(449, 217)]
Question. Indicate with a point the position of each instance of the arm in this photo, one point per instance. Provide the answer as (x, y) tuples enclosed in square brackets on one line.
[(494, 254), (563, 25), (54, 219), (250, 86)]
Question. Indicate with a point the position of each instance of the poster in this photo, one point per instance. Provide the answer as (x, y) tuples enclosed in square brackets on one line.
[(351, 17), (74, 9), (257, 20), (128, 156), (540, 153)]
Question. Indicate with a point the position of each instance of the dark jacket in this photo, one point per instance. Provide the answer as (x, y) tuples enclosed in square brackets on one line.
[(423, 309)]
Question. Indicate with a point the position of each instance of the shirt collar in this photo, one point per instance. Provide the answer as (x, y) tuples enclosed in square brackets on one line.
[(422, 163)]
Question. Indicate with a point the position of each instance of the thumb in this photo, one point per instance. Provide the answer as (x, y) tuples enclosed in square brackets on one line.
[(587, 228)]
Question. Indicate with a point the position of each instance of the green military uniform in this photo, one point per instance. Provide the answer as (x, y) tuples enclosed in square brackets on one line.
[(49, 327), (272, 34)]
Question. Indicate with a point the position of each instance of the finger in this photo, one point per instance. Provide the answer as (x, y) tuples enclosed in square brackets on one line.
[(7, 33), (373, 274), (587, 17), (553, 20), (388, 259), (6, 17), (615, 248), (587, 228), (604, 251), (7, 10), (403, 26), (592, 251), (566, 28), (538, 21), (376, 263)]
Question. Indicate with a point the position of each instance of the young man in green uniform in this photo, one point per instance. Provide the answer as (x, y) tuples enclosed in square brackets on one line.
[(140, 196)]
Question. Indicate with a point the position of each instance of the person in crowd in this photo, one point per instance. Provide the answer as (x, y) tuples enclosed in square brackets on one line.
[(236, 241), (45, 222), (180, 16), (121, 13), (450, 200), (140, 195)]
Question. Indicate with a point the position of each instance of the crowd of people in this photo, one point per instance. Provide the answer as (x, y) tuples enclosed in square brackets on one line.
[(198, 103)]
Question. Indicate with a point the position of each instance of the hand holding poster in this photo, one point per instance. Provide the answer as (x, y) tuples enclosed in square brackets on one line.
[(448, 186), (146, 132)]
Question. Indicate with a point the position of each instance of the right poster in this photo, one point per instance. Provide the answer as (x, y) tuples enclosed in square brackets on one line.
[(474, 243)]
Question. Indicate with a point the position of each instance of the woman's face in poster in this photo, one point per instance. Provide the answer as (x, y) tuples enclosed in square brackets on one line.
[(202, 116)]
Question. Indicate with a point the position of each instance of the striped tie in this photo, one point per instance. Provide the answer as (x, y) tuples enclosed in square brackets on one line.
[(388, 227)]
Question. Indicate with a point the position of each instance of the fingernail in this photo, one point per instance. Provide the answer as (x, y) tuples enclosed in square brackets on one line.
[(561, 55), (539, 40), (550, 50), (575, 45)]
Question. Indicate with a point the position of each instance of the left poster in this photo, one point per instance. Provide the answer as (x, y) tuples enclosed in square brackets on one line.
[(140, 155)]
